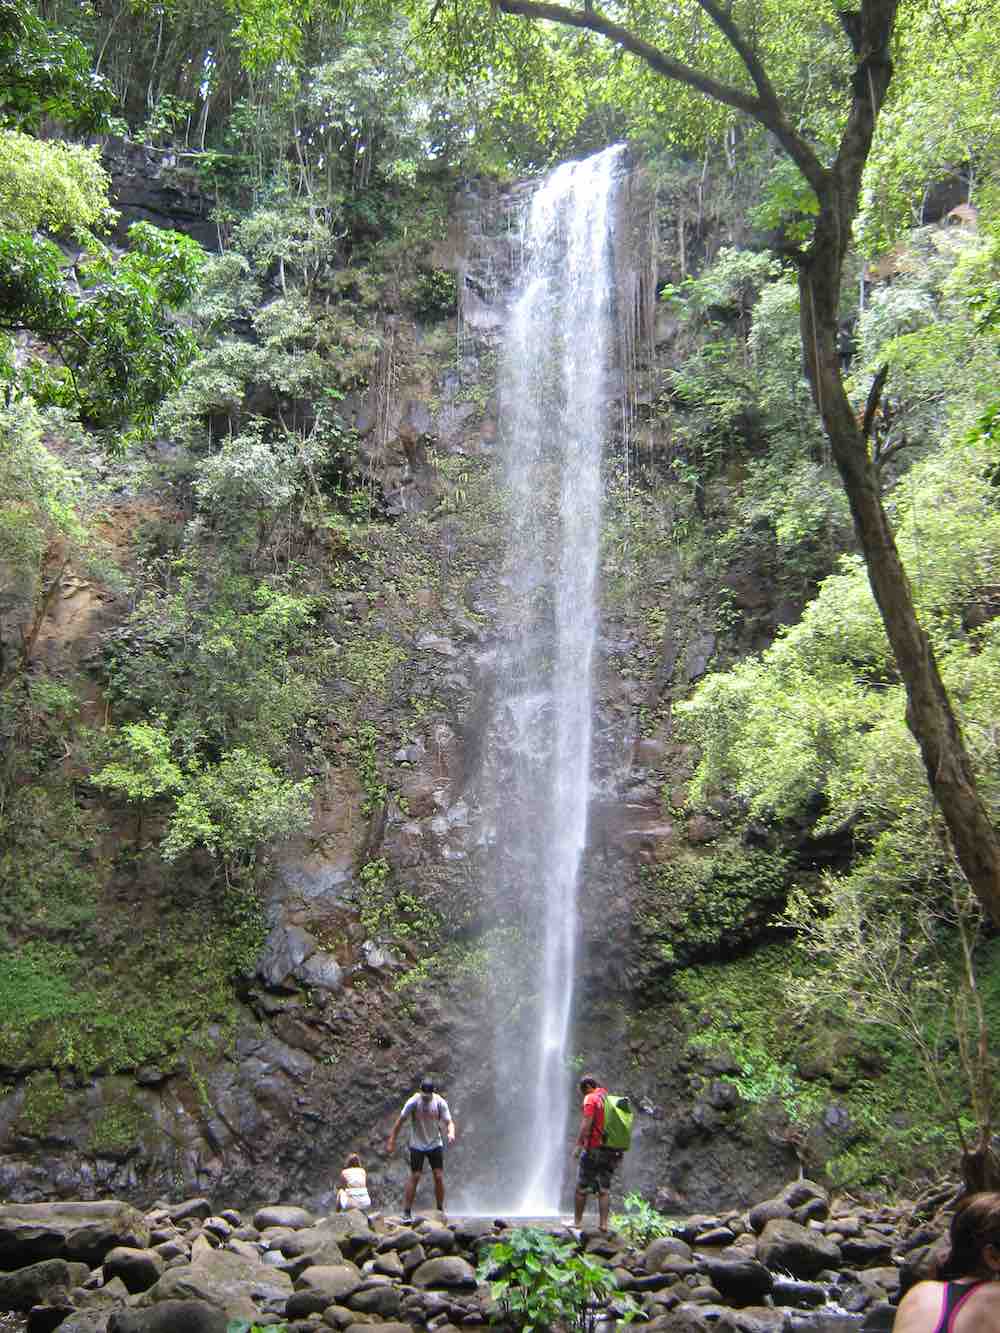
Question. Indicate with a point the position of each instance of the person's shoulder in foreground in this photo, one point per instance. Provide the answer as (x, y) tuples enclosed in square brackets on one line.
[(964, 1297), (975, 1308)]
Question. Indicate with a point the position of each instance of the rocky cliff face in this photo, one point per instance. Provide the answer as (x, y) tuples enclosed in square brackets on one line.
[(376, 968)]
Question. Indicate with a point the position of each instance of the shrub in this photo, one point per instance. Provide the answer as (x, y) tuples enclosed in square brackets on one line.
[(539, 1282), (641, 1222)]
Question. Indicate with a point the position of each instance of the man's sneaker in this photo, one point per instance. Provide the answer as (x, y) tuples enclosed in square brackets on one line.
[(407, 1215)]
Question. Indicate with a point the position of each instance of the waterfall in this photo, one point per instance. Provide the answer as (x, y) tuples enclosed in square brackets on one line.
[(554, 416)]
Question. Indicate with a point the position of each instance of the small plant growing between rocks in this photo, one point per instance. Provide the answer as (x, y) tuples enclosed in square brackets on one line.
[(641, 1222), (538, 1282)]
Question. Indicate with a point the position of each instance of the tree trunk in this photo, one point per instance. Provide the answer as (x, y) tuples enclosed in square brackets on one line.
[(928, 712), (869, 29)]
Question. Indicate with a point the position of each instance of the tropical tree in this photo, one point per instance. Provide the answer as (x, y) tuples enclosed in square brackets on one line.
[(42, 533), (748, 57), (47, 72)]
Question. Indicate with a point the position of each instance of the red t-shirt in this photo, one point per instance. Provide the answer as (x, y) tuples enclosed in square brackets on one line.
[(593, 1106)]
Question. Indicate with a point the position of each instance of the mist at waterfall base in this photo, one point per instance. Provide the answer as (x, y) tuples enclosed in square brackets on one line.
[(553, 425)]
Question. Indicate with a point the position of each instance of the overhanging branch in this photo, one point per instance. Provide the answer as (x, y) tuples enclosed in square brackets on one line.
[(764, 108)]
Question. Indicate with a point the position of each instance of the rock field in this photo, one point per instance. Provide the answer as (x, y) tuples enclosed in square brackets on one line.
[(796, 1263)]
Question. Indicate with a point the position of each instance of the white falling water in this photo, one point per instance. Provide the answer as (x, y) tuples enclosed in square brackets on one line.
[(554, 415)]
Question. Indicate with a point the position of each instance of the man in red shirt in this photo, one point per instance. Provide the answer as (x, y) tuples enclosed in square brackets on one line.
[(597, 1163)]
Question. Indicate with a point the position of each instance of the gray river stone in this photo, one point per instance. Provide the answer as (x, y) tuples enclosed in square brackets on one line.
[(381, 1301), (282, 1215), (138, 1269), (801, 1295), (785, 1244), (742, 1280), (449, 1271), (224, 1280), (330, 1283), (662, 1248)]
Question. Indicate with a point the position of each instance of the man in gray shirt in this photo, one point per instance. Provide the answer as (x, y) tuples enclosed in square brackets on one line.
[(427, 1113)]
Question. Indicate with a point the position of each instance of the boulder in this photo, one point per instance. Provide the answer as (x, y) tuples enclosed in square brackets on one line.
[(865, 1250), (30, 1232), (799, 1295), (224, 1280), (765, 1212), (170, 1317), (745, 1281), (813, 1210), (349, 1230), (327, 1284), (325, 1256), (469, 1230), (439, 1238), (383, 1301), (801, 1191), (390, 1265), (37, 1284), (138, 1269), (664, 1247), (282, 1215), (449, 1272), (405, 1240), (338, 1316), (796, 1249)]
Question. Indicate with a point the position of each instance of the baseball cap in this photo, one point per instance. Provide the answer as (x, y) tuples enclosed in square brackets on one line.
[(427, 1085)]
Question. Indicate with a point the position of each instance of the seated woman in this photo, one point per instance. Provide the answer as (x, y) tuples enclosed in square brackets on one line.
[(966, 1299), (352, 1190)]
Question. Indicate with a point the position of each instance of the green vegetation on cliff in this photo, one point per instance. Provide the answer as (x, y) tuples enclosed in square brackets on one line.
[(268, 477)]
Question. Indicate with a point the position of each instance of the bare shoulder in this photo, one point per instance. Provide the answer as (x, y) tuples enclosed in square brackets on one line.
[(983, 1310), (919, 1308)]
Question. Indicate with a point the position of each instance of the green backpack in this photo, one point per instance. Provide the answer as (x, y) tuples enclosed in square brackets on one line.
[(618, 1117)]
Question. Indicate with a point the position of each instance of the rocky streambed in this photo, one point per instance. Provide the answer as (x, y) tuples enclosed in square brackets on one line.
[(796, 1263)]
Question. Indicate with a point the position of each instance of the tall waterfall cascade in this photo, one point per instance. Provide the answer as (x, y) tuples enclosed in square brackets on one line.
[(555, 415)]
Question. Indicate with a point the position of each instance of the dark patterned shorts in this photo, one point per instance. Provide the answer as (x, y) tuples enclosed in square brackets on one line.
[(597, 1166)]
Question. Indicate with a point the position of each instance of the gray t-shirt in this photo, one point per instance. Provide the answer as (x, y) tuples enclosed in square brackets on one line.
[(426, 1120)]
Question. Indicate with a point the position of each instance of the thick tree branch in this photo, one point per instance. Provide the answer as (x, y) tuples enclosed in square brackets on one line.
[(723, 20)]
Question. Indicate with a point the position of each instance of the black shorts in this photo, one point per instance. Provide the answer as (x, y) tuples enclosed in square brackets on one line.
[(597, 1166), (434, 1155)]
